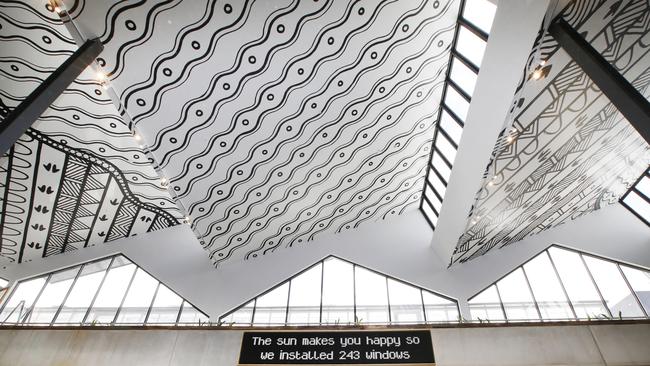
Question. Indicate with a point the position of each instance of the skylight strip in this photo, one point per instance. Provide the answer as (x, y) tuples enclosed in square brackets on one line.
[(637, 198), (472, 29)]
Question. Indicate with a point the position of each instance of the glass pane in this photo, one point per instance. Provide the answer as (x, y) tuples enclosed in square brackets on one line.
[(470, 46), (480, 13), (453, 129), (138, 299), (432, 198), (486, 305), (464, 77), (405, 303), (112, 291), (644, 186), (437, 184), (547, 289), (446, 148), (82, 293), (371, 297), (617, 294), (243, 316), (456, 103), (578, 284), (338, 292), (271, 308), (515, 295), (640, 282), (190, 315), (304, 300), (52, 297), (21, 300), (428, 212), (439, 309), (441, 166), (638, 205), (165, 307)]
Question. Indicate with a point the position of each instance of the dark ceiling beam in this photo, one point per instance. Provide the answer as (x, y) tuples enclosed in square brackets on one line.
[(629, 101), (29, 110)]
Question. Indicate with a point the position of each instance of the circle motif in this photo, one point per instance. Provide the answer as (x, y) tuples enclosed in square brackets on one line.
[(130, 25)]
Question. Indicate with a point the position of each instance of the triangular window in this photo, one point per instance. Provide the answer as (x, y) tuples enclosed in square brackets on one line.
[(108, 291), (565, 284), (334, 291)]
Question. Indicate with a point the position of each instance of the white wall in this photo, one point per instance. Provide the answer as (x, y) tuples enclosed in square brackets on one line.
[(605, 344)]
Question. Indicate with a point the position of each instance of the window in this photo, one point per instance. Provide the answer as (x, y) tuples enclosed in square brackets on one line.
[(637, 198), (564, 284), (472, 31), (111, 291), (4, 285), (334, 291)]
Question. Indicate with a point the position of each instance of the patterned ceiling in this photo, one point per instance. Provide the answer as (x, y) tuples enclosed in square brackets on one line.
[(77, 177), (571, 151), (279, 121)]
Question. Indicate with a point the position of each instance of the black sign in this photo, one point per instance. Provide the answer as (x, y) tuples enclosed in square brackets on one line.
[(337, 347)]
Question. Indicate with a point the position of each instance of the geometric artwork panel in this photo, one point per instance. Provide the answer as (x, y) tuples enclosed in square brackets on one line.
[(77, 177), (278, 122), (568, 151)]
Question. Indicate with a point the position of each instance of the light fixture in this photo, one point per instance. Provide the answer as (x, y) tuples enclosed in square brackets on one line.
[(137, 136), (163, 181)]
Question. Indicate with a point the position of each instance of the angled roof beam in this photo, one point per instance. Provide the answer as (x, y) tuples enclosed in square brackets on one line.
[(29, 110), (627, 99), (516, 24)]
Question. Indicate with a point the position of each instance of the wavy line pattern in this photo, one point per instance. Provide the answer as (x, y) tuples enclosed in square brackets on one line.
[(60, 180), (271, 119), (574, 152)]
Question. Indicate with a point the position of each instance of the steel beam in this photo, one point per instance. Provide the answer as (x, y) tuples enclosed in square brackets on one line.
[(629, 101), (29, 110)]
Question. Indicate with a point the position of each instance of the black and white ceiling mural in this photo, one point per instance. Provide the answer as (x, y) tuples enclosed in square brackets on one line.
[(77, 178), (570, 152), (279, 121)]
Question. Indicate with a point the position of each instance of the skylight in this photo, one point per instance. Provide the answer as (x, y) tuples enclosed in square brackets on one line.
[(109, 291), (472, 32), (563, 284), (637, 198), (334, 291)]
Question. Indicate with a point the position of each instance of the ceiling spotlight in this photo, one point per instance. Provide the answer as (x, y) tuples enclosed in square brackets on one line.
[(57, 9), (537, 74), (543, 62), (101, 77), (137, 136), (163, 181)]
